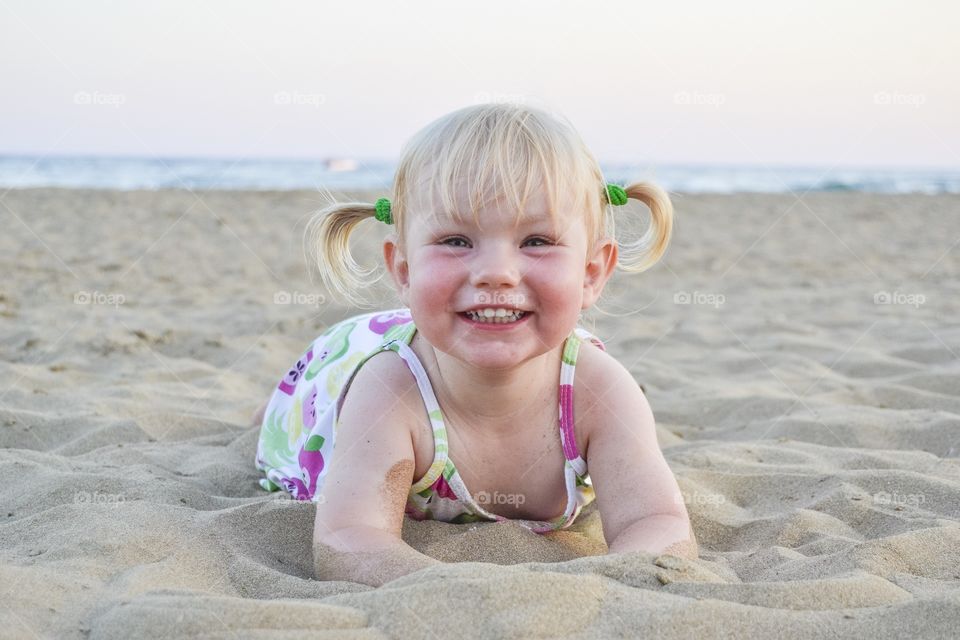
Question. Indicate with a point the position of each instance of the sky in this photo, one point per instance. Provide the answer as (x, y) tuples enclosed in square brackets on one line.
[(808, 84)]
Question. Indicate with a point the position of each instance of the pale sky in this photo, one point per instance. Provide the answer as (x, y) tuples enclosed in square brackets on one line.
[(817, 83)]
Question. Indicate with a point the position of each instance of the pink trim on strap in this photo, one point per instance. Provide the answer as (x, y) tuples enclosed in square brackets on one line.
[(570, 450)]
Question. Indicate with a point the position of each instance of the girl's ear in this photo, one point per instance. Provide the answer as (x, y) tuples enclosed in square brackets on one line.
[(397, 265), (600, 267)]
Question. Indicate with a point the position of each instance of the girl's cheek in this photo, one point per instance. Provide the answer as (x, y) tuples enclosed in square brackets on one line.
[(431, 283), (553, 272), (437, 271), (451, 270)]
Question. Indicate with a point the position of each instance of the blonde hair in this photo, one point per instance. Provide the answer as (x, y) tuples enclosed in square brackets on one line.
[(502, 151)]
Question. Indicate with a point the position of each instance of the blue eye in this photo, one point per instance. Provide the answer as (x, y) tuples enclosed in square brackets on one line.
[(454, 239), (542, 240)]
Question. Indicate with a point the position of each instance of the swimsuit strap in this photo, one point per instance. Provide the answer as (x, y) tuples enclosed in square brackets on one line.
[(401, 346), (567, 436)]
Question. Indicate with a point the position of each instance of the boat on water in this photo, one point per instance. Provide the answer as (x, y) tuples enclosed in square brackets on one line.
[(340, 164)]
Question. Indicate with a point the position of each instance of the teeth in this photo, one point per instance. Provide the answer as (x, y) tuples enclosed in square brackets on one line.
[(496, 316)]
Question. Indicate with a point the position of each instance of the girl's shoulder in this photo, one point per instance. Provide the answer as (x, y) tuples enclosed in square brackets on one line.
[(384, 381), (595, 369)]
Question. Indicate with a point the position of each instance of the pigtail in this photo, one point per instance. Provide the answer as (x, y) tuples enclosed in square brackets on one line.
[(647, 250), (328, 238)]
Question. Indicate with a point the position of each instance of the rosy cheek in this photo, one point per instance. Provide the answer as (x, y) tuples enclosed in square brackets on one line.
[(438, 271)]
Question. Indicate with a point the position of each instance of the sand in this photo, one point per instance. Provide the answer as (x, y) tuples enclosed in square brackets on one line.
[(815, 433)]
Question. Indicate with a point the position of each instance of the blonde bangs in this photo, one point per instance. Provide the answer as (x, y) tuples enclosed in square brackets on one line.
[(481, 155)]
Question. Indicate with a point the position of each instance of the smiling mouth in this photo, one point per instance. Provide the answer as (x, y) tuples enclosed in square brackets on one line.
[(498, 316)]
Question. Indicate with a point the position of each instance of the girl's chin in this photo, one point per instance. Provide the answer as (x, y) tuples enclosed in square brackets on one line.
[(486, 362)]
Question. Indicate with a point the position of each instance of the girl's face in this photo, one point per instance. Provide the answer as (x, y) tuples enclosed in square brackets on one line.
[(539, 267)]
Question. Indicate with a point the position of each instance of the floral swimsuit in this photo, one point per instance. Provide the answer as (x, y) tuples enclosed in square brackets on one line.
[(299, 427)]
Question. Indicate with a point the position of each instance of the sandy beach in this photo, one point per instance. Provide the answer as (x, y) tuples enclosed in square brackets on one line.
[(801, 356)]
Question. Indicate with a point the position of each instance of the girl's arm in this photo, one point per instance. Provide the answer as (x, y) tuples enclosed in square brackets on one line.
[(641, 506), (360, 510)]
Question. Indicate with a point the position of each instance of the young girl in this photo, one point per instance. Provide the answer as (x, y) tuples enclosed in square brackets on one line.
[(500, 234)]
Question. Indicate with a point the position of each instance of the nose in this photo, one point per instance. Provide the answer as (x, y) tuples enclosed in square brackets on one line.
[(495, 265)]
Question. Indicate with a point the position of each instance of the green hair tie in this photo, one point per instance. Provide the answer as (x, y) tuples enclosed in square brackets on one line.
[(616, 195), (383, 211)]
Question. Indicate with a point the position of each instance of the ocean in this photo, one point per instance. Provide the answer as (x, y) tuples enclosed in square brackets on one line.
[(126, 173)]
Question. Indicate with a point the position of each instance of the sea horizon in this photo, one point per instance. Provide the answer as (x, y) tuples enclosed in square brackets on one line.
[(129, 172)]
